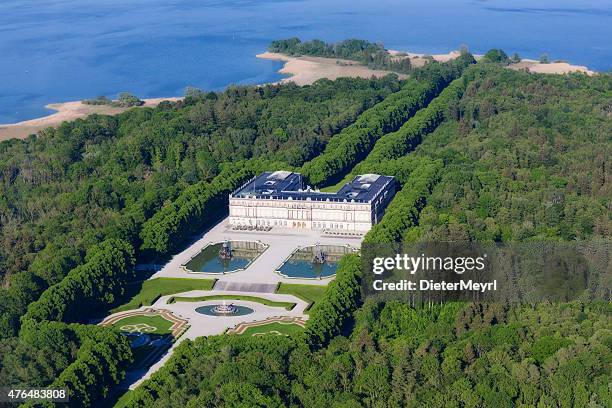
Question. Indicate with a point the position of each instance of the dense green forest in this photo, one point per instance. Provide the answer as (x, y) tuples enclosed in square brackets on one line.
[(85, 359), (374, 55), (396, 356), (354, 142), (527, 158), (482, 153)]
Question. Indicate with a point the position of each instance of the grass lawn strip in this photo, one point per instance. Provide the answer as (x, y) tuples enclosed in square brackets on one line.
[(335, 187), (272, 303), (153, 289), (308, 293), (284, 321)]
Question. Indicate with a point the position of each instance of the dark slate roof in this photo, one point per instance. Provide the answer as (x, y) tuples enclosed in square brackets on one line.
[(286, 185)]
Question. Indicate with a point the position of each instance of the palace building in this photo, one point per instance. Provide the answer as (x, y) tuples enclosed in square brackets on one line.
[(280, 199)]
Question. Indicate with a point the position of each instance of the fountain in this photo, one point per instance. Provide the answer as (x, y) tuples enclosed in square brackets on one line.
[(319, 256), (224, 309)]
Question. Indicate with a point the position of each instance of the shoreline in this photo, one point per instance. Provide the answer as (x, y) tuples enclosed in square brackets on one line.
[(66, 111), (302, 70), (305, 70)]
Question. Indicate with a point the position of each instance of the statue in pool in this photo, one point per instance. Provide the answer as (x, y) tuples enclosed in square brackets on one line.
[(319, 256), (225, 252)]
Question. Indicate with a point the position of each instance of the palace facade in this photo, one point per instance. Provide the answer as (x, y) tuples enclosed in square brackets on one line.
[(280, 199)]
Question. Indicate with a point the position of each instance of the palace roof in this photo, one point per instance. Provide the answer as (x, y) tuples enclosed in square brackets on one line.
[(286, 185)]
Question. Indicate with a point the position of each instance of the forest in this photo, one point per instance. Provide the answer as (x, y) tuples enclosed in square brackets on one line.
[(526, 159), (482, 153), (397, 356)]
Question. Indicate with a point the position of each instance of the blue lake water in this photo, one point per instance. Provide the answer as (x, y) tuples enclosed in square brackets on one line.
[(62, 50)]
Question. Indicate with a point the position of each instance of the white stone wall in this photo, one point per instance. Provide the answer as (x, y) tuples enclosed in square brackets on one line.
[(301, 214)]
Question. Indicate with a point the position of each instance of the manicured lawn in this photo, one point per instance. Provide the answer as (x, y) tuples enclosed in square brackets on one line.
[(152, 289), (308, 293), (286, 305), (148, 324), (334, 188), (273, 329)]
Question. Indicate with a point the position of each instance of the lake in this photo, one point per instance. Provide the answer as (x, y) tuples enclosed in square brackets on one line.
[(62, 50)]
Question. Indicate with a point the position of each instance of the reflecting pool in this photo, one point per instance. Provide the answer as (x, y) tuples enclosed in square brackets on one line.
[(223, 257), (314, 262)]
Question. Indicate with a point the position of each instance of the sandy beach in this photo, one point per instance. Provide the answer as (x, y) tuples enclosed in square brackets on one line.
[(550, 68), (65, 112), (306, 70), (528, 64)]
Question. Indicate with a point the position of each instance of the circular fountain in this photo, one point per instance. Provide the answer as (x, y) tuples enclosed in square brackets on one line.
[(224, 310)]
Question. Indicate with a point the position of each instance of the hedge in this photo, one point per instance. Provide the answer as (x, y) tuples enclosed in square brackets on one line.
[(409, 136), (354, 142), (342, 297), (403, 211), (101, 361), (97, 283)]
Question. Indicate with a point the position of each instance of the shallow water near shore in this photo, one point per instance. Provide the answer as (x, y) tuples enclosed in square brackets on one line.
[(63, 50)]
